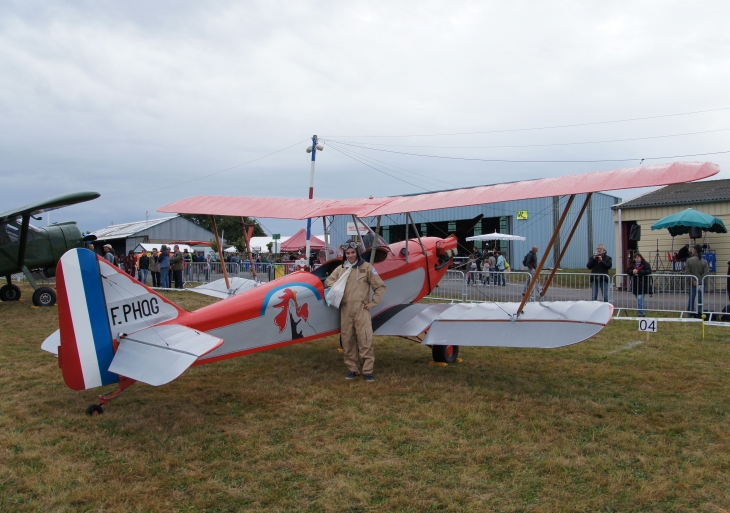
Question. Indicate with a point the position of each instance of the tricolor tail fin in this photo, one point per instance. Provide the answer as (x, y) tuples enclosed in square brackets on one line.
[(96, 303)]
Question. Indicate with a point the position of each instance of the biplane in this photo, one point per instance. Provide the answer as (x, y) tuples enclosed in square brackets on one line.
[(115, 330), (25, 248)]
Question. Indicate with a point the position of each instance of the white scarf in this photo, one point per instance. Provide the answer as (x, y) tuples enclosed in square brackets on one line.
[(337, 291)]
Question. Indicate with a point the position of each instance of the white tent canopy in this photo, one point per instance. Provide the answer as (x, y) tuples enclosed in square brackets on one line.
[(496, 236)]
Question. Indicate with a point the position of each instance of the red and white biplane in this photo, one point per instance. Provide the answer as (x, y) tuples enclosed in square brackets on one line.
[(114, 329)]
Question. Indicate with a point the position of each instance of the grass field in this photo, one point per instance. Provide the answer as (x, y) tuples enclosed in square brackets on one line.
[(611, 424)]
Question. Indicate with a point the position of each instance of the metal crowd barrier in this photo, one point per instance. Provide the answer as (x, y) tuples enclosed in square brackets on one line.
[(667, 293), (716, 297), (487, 286), (510, 286), (450, 288)]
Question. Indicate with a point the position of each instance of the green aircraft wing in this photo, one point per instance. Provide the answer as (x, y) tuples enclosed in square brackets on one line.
[(49, 204)]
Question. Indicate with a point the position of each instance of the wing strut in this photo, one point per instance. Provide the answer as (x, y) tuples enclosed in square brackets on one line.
[(220, 252), (377, 242), (565, 246), (549, 247), (23, 239), (418, 235), (246, 238)]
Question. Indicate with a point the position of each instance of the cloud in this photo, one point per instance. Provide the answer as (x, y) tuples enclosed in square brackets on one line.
[(125, 98)]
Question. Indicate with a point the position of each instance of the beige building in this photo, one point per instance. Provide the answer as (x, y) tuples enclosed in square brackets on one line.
[(710, 197)]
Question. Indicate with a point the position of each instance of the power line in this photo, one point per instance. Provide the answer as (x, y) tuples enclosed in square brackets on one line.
[(536, 161), (379, 170), (417, 176), (209, 175), (536, 145), (542, 127)]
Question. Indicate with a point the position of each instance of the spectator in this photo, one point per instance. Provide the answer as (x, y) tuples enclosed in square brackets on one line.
[(176, 262), (108, 255), (698, 268), (500, 269), (155, 268), (143, 262), (187, 260), (530, 264), (164, 259), (493, 269), (639, 272), (471, 270), (599, 264), (130, 264)]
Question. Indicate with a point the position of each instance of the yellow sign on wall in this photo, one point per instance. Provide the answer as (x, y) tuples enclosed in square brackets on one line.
[(522, 215)]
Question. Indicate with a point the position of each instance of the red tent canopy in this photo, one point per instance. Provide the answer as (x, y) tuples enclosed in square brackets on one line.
[(299, 242)]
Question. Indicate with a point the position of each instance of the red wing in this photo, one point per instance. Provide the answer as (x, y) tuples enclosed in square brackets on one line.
[(298, 208)]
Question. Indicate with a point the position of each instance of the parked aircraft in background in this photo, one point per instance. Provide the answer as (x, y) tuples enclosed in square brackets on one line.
[(25, 248), (113, 329)]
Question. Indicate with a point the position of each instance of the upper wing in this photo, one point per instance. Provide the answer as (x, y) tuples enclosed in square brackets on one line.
[(298, 208), (541, 325), (49, 204)]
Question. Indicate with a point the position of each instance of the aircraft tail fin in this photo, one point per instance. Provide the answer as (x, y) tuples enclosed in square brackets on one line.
[(97, 303)]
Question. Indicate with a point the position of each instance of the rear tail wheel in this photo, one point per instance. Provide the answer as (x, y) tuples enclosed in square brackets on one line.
[(447, 354), (9, 293), (44, 296), (94, 410)]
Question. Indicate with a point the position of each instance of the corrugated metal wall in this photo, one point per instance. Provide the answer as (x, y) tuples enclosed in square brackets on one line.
[(537, 228), (178, 228)]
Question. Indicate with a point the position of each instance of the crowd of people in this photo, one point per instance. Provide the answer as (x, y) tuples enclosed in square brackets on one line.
[(486, 267), (165, 267)]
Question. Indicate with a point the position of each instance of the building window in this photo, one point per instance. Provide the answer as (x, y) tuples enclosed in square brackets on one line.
[(452, 226), (386, 234), (423, 229)]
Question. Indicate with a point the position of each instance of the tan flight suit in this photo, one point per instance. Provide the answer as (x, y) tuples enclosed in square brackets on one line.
[(355, 322)]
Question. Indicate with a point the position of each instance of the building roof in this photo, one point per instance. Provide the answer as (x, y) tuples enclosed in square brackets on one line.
[(710, 191), (121, 231)]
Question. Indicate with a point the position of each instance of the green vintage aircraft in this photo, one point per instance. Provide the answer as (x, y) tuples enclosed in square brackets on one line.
[(25, 248)]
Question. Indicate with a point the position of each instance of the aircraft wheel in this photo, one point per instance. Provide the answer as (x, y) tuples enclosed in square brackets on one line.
[(94, 410), (9, 293), (447, 354), (44, 296)]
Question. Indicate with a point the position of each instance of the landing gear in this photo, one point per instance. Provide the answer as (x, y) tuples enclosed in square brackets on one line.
[(94, 410), (445, 354), (9, 292), (44, 296)]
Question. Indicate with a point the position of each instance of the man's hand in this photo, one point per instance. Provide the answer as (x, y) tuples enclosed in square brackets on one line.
[(368, 306)]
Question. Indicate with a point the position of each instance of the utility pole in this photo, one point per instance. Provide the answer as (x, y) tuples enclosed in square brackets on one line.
[(313, 150)]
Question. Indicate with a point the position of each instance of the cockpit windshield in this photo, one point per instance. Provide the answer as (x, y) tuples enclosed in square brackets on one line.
[(10, 231)]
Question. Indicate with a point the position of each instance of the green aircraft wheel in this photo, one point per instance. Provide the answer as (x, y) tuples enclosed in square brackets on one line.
[(44, 296), (9, 293), (447, 354)]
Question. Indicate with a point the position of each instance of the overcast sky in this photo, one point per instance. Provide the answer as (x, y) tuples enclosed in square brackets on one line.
[(139, 100)]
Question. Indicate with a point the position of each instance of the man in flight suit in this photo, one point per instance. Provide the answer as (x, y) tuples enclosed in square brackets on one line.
[(355, 323)]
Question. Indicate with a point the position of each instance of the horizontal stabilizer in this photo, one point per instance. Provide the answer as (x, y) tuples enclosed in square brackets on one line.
[(50, 345), (218, 288), (159, 354)]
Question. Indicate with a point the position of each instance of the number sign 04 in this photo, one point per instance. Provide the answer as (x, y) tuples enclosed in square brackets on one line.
[(648, 325)]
